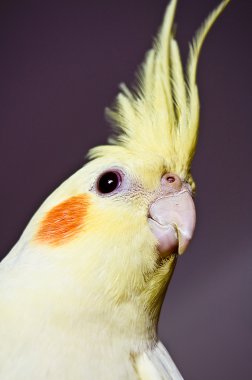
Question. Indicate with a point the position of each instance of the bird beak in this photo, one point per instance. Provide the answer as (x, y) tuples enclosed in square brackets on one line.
[(172, 220)]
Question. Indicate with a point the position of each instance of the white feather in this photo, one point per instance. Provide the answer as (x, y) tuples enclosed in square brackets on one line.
[(157, 364)]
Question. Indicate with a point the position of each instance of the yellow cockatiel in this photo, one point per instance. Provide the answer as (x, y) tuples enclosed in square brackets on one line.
[(81, 291)]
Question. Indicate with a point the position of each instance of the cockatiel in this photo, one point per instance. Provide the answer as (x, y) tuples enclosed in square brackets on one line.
[(81, 291)]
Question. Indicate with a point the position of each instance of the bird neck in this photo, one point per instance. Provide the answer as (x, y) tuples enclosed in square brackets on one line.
[(134, 314), (88, 302)]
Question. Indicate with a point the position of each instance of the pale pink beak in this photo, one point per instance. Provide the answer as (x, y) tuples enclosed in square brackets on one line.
[(172, 216)]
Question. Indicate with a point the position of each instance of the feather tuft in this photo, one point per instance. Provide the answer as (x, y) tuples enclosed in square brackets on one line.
[(161, 116)]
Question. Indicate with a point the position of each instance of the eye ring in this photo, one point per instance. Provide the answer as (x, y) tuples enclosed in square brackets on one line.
[(108, 182)]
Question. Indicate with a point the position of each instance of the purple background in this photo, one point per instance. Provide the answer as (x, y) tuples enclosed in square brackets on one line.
[(60, 64)]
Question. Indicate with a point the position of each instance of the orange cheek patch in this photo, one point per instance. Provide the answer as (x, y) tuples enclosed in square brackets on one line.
[(64, 221)]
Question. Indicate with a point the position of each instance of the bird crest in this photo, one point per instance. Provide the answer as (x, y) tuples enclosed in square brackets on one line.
[(161, 115)]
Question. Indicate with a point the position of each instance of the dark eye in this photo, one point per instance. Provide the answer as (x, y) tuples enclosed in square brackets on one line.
[(108, 182)]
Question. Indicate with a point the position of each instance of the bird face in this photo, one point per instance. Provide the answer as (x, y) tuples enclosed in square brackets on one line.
[(164, 203), (116, 220), (137, 210)]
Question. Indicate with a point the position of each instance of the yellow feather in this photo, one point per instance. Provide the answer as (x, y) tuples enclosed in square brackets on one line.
[(161, 116), (88, 307)]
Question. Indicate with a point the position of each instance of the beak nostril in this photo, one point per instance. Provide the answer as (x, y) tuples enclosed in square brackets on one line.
[(170, 179), (171, 182)]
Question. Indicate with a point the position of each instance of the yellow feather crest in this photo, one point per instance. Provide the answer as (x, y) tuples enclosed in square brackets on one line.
[(161, 116)]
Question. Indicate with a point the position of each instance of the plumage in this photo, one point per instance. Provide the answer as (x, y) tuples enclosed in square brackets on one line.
[(81, 291), (161, 115)]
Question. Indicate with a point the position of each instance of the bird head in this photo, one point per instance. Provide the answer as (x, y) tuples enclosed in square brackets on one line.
[(120, 222)]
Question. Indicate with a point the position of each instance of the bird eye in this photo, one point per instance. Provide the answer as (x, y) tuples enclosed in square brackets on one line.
[(108, 182)]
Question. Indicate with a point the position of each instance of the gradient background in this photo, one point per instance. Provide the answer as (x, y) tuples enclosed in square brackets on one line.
[(60, 64)]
